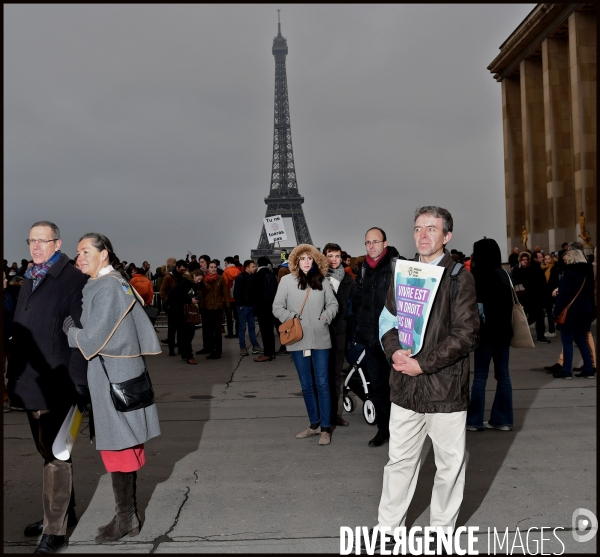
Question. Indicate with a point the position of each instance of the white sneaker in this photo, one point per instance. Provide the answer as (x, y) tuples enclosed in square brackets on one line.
[(551, 335)]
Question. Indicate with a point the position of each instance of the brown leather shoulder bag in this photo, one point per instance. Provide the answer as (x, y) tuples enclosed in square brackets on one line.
[(290, 332)]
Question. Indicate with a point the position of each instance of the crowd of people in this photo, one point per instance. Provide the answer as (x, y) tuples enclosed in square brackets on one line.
[(76, 328)]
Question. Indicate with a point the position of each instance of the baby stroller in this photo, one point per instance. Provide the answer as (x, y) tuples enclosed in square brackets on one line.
[(361, 391)]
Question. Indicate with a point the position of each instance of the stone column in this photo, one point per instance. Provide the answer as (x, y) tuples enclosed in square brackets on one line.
[(582, 60), (557, 120), (534, 152), (513, 161)]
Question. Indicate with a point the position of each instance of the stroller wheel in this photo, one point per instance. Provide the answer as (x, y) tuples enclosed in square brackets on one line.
[(369, 411), (349, 404)]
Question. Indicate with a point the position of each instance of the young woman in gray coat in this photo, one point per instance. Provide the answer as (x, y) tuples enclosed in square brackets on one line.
[(116, 329), (308, 268)]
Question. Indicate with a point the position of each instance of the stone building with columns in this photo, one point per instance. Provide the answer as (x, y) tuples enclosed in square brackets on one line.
[(547, 69)]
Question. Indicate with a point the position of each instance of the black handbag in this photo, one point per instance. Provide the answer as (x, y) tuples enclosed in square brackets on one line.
[(133, 394)]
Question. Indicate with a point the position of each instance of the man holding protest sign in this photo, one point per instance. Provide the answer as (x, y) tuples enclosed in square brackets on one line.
[(429, 390)]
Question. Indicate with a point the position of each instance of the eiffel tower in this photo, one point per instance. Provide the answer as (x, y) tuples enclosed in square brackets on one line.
[(284, 198)]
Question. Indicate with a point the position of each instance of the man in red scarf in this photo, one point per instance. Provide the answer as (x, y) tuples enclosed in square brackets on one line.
[(375, 275)]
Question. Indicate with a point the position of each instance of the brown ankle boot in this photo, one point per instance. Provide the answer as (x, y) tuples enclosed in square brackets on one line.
[(126, 520)]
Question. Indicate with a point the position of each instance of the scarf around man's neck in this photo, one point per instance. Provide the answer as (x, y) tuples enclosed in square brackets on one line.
[(37, 272), (337, 274), (372, 263)]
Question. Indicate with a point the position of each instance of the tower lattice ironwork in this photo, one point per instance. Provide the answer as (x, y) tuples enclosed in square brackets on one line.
[(284, 198)]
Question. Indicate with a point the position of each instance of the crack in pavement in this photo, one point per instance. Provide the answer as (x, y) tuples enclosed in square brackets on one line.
[(165, 537), (228, 383)]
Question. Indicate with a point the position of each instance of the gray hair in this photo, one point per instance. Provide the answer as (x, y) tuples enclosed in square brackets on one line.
[(574, 254), (438, 213), (55, 230)]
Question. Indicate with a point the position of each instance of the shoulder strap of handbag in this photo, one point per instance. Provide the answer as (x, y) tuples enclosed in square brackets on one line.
[(454, 278), (578, 292), (304, 302), (512, 289)]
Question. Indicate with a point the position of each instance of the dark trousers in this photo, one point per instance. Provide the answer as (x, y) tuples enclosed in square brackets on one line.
[(231, 316), (379, 374), (266, 322), (535, 312), (336, 365), (185, 335), (57, 491), (211, 326), (548, 309), (171, 329)]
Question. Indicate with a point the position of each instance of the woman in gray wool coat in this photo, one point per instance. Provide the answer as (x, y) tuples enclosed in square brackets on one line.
[(115, 328), (308, 268)]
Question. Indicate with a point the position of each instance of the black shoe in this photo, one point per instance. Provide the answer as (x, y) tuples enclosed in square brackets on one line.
[(580, 368), (553, 369), (203, 351), (171, 352), (52, 544), (230, 336), (562, 375), (165, 341), (379, 439), (543, 340), (37, 528), (213, 357), (589, 375)]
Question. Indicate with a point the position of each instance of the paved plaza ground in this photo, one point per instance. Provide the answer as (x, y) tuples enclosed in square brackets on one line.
[(227, 475)]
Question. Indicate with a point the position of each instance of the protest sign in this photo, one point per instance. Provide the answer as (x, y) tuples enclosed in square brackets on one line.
[(415, 285), (274, 229)]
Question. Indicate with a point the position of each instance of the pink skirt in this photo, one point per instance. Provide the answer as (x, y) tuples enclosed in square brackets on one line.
[(126, 460)]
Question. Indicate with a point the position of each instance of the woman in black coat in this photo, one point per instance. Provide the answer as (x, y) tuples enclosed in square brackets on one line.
[(495, 300), (576, 286), (186, 292)]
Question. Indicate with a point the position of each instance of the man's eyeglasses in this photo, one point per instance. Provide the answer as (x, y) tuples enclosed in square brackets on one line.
[(41, 242), (373, 243)]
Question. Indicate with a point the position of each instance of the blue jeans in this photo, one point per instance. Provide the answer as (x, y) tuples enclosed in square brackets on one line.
[(246, 317), (502, 408), (580, 339), (318, 411)]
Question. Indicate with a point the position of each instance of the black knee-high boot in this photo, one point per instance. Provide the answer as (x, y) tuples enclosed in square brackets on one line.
[(126, 520)]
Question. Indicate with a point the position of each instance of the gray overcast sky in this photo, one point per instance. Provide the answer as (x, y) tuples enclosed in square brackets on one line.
[(153, 123)]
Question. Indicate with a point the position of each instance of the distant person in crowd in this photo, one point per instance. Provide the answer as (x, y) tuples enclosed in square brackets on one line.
[(495, 300), (531, 279), (237, 263), (14, 287), (344, 288), (513, 258), (158, 278), (430, 391), (146, 270), (112, 321), (560, 258), (242, 293), (129, 269), (551, 274), (263, 290), (346, 263), (284, 268), (186, 292), (143, 286), (215, 297), (45, 376), (576, 287), (219, 270), (467, 263), (231, 314), (204, 262), (306, 280), (376, 274), (8, 315), (193, 265), (170, 281), (13, 271), (23, 268)]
